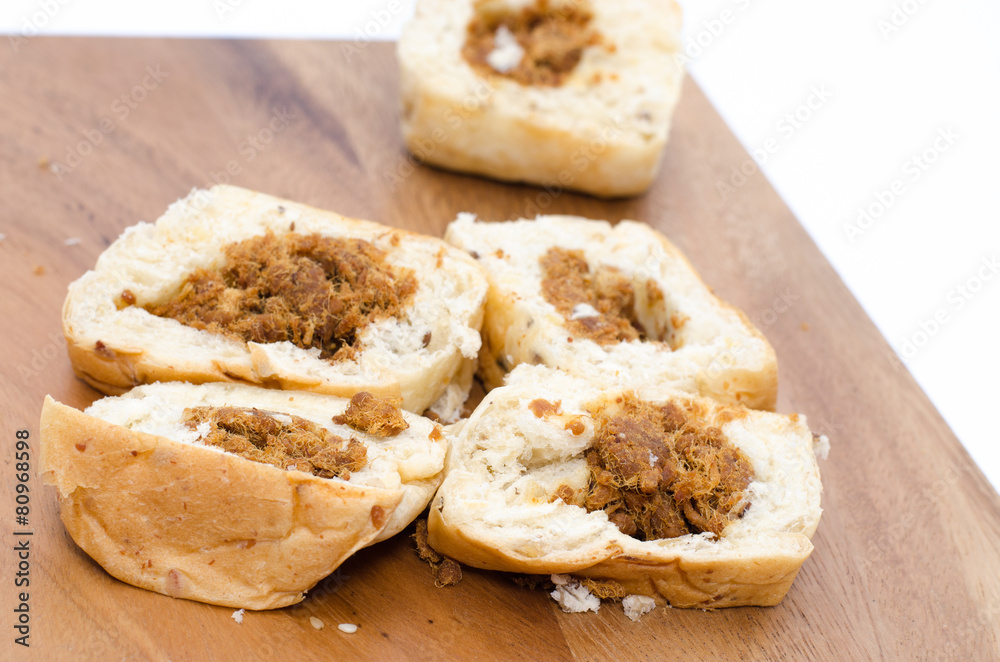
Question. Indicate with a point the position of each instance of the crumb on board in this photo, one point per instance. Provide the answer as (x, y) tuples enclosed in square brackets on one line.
[(72, 241), (447, 572), (572, 596), (2, 236), (39, 270), (238, 615), (316, 623), (637, 606), (804, 326), (349, 628), (43, 163)]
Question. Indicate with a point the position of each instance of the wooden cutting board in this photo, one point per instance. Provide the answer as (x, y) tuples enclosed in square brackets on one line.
[(97, 134)]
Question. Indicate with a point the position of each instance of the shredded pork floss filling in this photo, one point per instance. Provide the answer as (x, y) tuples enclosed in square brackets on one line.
[(552, 38), (313, 291), (568, 281), (281, 440), (658, 474)]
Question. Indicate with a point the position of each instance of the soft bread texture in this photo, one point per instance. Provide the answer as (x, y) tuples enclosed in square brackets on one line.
[(114, 348), (161, 511), (710, 347), (601, 132), (497, 508)]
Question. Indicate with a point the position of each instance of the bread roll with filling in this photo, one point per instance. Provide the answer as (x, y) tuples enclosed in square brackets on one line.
[(519, 489), (619, 304), (299, 298), (573, 94), (144, 492)]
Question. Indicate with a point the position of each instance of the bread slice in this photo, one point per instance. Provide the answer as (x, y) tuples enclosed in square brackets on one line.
[(145, 497), (115, 342), (502, 507), (692, 340), (597, 127)]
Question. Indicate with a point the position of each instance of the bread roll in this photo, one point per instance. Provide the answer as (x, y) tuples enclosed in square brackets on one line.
[(581, 102), (415, 352), (660, 324), (146, 496), (518, 471)]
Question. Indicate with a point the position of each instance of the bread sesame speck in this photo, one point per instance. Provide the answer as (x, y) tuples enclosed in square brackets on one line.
[(349, 628), (316, 623)]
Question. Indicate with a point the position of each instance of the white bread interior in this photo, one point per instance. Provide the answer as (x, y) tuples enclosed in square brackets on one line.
[(496, 507), (160, 510), (601, 132), (716, 351), (152, 261)]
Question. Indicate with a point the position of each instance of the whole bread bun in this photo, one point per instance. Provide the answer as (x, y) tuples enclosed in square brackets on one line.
[(143, 494), (690, 339), (423, 353), (593, 118), (517, 473)]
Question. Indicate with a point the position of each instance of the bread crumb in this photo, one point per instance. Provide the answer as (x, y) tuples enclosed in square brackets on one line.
[(507, 52), (238, 615), (43, 163), (572, 596), (637, 606), (2, 236), (39, 270), (582, 310), (316, 623), (822, 446), (804, 326), (349, 628), (72, 241)]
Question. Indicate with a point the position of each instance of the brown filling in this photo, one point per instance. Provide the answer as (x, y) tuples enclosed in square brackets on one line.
[(553, 39), (312, 291), (659, 474), (374, 415), (446, 571), (568, 281), (260, 436)]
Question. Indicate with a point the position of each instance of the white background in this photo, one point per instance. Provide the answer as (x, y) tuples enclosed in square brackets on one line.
[(904, 123)]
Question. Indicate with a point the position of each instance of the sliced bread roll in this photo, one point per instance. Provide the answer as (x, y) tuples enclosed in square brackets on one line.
[(573, 94), (156, 485), (646, 492), (617, 304), (233, 285)]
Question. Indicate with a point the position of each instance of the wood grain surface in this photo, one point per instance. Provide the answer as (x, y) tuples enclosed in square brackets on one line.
[(97, 134)]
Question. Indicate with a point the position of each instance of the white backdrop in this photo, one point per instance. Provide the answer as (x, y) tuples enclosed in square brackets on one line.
[(877, 122)]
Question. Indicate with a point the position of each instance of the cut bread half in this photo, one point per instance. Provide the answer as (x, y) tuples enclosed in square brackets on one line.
[(233, 285), (620, 304), (145, 492), (573, 94), (521, 493)]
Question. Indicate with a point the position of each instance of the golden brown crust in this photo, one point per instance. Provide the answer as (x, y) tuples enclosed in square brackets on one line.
[(510, 336), (173, 518), (680, 581), (114, 345)]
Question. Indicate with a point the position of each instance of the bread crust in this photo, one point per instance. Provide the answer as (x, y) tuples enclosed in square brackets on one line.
[(114, 348), (718, 352), (491, 513), (601, 132), (193, 522)]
